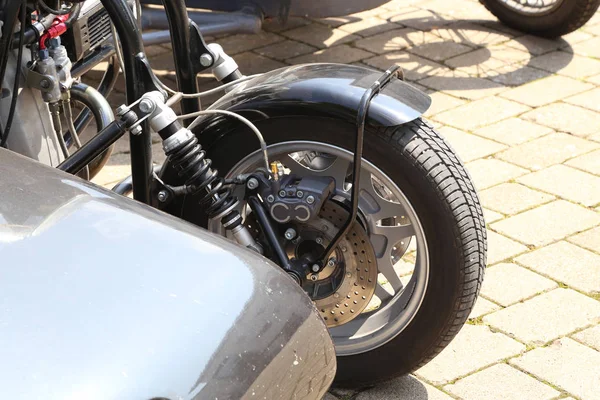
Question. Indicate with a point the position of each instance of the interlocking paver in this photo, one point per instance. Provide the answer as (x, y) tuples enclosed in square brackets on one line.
[(588, 100), (439, 51), (501, 379), (395, 40), (589, 337), (252, 63), (470, 147), (423, 20), (414, 67), (460, 84), (535, 45), (240, 43), (547, 316), (589, 48), (320, 36), (489, 172), (566, 364), (568, 64), (509, 283), (491, 216), (473, 348), (548, 150), (342, 54), (284, 50), (547, 223), (594, 79), (501, 248), (368, 26), (588, 239), (406, 387), (481, 112), (512, 198), (575, 185), (482, 307), (488, 60), (546, 91), (442, 102), (471, 34), (565, 262)]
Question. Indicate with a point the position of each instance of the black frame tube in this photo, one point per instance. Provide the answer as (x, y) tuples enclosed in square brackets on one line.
[(179, 25), (133, 54), (363, 109)]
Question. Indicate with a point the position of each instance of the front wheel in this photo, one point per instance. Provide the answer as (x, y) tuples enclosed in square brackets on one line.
[(408, 273), (548, 18)]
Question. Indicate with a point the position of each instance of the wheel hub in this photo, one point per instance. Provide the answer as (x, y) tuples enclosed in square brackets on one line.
[(345, 286)]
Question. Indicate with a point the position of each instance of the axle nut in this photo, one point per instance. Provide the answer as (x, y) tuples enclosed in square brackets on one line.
[(146, 106), (206, 60)]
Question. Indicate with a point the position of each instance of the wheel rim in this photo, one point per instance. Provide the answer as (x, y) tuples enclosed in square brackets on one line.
[(532, 7), (400, 247)]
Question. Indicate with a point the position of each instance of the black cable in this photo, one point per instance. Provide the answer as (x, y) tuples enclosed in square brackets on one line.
[(13, 103), (49, 10)]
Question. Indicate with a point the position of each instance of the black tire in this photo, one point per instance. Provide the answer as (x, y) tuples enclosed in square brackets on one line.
[(435, 182), (569, 16)]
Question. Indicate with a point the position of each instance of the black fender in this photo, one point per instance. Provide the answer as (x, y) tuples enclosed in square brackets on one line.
[(323, 90)]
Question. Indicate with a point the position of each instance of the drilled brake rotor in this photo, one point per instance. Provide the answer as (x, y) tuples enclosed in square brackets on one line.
[(342, 291)]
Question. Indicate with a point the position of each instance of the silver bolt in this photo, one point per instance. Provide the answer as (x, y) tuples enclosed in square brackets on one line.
[(252, 183), (136, 130), (331, 262), (344, 249), (310, 199), (315, 268), (290, 233), (44, 84), (270, 198), (206, 60), (163, 195), (282, 193), (319, 240), (300, 194), (314, 277), (146, 106), (122, 110)]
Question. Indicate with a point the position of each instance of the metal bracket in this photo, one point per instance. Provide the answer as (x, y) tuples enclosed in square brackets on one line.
[(35, 80)]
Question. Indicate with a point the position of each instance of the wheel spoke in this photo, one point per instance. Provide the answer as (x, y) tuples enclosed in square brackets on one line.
[(338, 170), (382, 293), (386, 268)]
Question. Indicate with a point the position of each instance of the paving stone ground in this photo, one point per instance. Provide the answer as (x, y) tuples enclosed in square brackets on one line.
[(523, 113)]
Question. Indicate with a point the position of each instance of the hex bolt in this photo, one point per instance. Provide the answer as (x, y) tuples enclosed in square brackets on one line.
[(270, 198), (290, 233), (310, 199), (344, 249), (331, 262), (252, 183), (44, 83), (319, 240), (300, 194), (122, 109), (315, 268), (313, 277), (163, 195), (282, 193), (136, 130), (206, 60), (146, 106)]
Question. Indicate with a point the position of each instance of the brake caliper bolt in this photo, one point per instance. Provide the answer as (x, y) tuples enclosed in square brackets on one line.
[(282, 193), (313, 277), (319, 240), (270, 198), (290, 233), (252, 183), (300, 194), (206, 60), (331, 262), (146, 106), (163, 195), (310, 199), (315, 268)]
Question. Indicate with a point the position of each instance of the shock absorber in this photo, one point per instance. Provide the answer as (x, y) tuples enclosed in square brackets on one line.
[(187, 156)]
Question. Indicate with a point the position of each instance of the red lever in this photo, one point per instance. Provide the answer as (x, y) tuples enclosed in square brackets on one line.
[(58, 28)]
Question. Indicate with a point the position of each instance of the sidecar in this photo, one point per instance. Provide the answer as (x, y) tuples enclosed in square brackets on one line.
[(105, 298)]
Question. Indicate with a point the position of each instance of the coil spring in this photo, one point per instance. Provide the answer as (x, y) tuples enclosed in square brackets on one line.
[(191, 162)]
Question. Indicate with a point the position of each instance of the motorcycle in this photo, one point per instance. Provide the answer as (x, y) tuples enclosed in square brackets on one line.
[(328, 170)]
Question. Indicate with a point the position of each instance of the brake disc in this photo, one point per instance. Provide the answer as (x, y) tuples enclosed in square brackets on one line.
[(343, 290)]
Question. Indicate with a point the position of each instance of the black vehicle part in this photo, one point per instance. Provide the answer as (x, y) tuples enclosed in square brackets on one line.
[(566, 17), (361, 116), (436, 183)]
